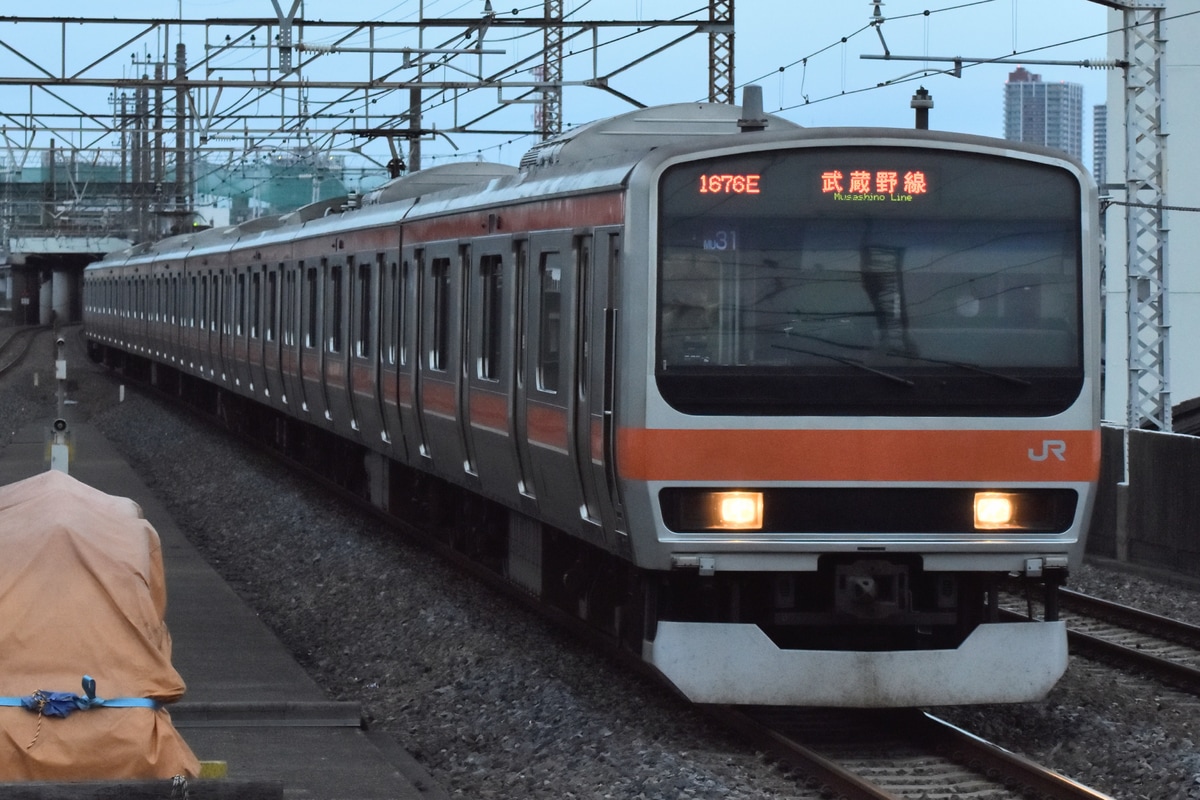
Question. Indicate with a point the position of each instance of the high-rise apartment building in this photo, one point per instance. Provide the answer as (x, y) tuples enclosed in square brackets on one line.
[(1100, 144), (1043, 113)]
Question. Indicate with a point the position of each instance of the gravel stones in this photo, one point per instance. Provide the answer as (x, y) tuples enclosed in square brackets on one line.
[(493, 702)]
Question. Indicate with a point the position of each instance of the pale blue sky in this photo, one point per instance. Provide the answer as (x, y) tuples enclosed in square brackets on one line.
[(794, 49)]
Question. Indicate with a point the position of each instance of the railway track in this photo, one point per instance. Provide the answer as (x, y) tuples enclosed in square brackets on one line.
[(1167, 649), (898, 754), (15, 346), (838, 753)]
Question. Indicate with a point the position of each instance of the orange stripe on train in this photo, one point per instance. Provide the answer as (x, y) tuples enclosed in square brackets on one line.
[(858, 455)]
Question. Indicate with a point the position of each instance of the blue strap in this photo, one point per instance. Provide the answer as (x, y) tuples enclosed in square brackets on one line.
[(60, 704)]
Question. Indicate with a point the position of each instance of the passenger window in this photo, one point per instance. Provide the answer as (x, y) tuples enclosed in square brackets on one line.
[(440, 276), (310, 287), (335, 309), (491, 270), (272, 320), (362, 343), (549, 322)]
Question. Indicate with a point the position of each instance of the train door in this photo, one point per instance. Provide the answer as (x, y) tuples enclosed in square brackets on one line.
[(209, 290), (519, 392), (241, 358), (595, 433), (224, 331), (596, 258), (466, 309), (291, 313), (335, 369), (366, 273), (549, 399), (255, 368), (311, 341), (440, 347), (412, 358), (396, 396), (272, 335), (490, 360)]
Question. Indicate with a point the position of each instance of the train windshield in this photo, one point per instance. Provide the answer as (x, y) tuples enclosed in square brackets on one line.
[(869, 280)]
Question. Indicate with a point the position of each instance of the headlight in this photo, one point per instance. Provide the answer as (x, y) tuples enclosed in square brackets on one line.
[(998, 511), (734, 511)]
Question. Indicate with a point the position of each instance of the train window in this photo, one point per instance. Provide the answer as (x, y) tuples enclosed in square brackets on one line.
[(869, 279), (335, 312), (239, 314), (402, 314), (491, 272), (204, 301), (583, 264), (390, 291), (440, 276), (226, 303), (289, 307), (271, 320), (255, 305), (549, 322), (366, 311), (310, 299)]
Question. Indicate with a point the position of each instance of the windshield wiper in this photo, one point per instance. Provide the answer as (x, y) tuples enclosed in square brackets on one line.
[(967, 366), (848, 362)]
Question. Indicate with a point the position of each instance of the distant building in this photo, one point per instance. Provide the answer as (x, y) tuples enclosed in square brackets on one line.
[(1043, 113), (1100, 144)]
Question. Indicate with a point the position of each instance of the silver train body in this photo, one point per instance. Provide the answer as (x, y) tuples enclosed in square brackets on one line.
[(779, 408)]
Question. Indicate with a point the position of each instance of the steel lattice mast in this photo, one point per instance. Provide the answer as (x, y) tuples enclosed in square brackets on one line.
[(720, 52), (552, 71), (1149, 401)]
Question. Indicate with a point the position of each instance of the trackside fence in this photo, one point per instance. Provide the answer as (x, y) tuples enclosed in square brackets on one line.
[(1154, 519)]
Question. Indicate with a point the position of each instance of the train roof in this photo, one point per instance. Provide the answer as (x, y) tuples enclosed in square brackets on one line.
[(438, 179), (648, 128)]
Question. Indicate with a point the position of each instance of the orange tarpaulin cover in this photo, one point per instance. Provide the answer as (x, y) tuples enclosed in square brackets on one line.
[(82, 592)]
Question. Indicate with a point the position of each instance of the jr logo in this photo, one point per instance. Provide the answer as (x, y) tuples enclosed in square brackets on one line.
[(1055, 447)]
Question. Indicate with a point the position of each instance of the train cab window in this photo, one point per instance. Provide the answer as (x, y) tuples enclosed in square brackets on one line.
[(807, 281), (549, 322), (439, 349), (335, 313), (491, 271)]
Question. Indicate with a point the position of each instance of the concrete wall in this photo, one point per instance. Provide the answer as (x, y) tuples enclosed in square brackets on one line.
[(1154, 519)]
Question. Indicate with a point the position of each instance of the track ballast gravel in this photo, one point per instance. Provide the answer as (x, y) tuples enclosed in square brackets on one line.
[(493, 702)]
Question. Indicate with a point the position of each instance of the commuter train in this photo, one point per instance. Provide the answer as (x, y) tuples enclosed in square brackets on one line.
[(778, 408)]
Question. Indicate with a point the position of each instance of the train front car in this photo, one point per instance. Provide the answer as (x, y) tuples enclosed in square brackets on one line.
[(871, 395)]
